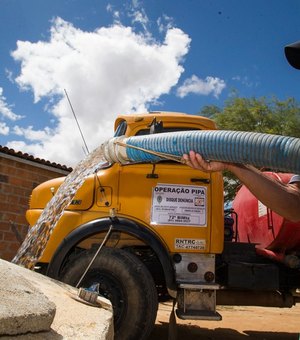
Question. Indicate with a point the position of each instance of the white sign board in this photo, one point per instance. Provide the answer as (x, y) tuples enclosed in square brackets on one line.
[(174, 204)]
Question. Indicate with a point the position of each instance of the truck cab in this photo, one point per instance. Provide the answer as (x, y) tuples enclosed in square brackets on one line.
[(166, 215)]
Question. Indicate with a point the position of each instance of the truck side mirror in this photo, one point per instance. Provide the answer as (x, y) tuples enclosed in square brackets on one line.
[(156, 126)]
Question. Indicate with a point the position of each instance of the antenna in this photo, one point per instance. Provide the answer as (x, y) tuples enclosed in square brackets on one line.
[(86, 148)]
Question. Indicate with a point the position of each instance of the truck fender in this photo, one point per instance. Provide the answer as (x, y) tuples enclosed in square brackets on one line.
[(119, 224)]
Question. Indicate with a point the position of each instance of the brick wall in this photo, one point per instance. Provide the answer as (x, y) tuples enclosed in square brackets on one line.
[(18, 176)]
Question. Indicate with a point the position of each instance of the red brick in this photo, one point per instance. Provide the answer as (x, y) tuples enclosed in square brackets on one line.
[(19, 191), (9, 216), (6, 188), (6, 169), (4, 226), (18, 181), (14, 198), (10, 207), (8, 255), (24, 201), (21, 182), (3, 247), (9, 236), (21, 220), (3, 197)]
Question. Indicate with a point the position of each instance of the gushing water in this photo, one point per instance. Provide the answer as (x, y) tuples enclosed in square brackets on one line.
[(37, 237)]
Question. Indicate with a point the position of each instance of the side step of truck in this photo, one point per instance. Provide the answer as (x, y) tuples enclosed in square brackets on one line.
[(197, 302)]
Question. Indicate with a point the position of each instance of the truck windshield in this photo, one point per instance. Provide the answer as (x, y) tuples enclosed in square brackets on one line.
[(121, 129)]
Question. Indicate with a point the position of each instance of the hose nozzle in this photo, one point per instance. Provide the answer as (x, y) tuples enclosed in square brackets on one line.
[(114, 152)]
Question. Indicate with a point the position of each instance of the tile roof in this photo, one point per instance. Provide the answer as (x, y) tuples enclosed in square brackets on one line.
[(26, 156)]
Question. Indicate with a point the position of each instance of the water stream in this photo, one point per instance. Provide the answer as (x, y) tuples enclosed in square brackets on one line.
[(37, 237)]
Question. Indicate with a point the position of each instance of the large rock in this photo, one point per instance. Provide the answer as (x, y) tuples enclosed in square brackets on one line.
[(24, 308), (28, 304)]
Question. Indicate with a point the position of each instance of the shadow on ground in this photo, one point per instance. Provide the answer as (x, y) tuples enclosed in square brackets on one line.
[(192, 332)]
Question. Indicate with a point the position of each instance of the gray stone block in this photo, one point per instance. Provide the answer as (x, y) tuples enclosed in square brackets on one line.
[(73, 319), (24, 308)]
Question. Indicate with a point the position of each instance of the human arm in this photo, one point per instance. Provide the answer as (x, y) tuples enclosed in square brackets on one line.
[(282, 198)]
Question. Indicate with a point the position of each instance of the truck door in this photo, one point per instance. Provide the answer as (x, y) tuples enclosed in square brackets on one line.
[(174, 201)]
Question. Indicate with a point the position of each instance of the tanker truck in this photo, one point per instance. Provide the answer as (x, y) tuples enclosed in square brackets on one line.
[(162, 232)]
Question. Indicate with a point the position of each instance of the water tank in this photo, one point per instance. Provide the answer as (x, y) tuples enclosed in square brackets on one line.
[(258, 224)]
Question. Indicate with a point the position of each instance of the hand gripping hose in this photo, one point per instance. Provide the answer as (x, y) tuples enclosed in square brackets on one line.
[(280, 153)]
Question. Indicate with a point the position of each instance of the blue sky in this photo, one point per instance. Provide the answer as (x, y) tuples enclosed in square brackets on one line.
[(115, 57)]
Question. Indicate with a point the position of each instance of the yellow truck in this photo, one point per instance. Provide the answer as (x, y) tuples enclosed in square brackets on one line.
[(163, 227)]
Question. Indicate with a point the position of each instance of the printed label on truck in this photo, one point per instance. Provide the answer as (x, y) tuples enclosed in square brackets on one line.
[(190, 243), (179, 205)]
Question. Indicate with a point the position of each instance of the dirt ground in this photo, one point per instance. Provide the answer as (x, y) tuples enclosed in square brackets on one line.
[(238, 323)]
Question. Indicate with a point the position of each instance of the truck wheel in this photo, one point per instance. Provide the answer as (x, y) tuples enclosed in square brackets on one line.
[(126, 282)]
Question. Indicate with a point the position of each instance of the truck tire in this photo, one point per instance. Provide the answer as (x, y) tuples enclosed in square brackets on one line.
[(125, 281)]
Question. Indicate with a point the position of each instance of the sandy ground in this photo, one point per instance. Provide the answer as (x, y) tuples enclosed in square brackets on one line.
[(238, 323)]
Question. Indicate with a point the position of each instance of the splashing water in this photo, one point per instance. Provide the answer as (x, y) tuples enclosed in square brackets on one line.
[(37, 237)]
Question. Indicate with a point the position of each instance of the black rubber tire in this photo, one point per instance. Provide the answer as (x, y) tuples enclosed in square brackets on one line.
[(126, 282)]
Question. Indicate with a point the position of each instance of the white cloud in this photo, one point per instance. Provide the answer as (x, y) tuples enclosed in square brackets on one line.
[(6, 110), (164, 23), (210, 85), (4, 129), (33, 135), (109, 71), (245, 80), (33, 149), (138, 14), (9, 75), (115, 13)]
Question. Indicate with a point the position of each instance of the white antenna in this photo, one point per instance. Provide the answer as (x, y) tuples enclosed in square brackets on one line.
[(86, 150)]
